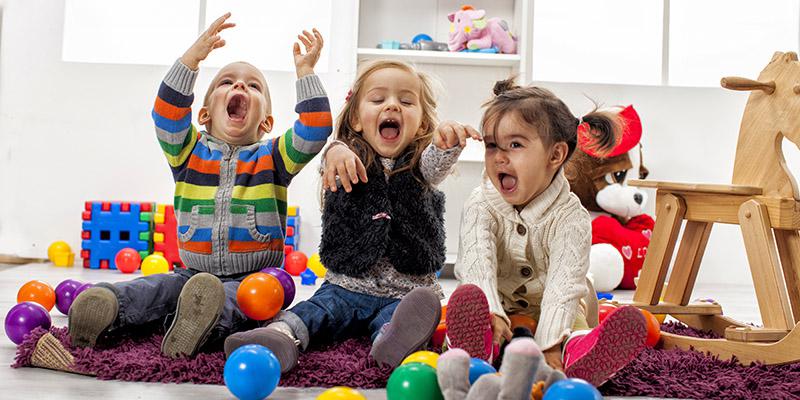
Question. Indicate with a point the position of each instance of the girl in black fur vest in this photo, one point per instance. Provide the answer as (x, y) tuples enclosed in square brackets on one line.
[(382, 223)]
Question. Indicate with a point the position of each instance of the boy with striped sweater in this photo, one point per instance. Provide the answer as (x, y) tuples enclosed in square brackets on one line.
[(230, 198)]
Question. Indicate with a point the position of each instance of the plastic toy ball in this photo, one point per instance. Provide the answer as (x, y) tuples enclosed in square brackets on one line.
[(315, 265), (60, 254), (415, 381), (128, 260), (155, 264), (437, 340), (653, 328), (252, 372), (25, 317), (572, 389), (524, 321), (286, 281), (260, 296), (308, 278), (37, 292), (296, 263), (82, 288), (604, 309), (341, 393), (478, 367), (425, 357), (65, 295)]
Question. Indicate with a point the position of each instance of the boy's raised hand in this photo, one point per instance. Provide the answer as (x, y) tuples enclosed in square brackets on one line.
[(341, 161), (208, 41), (450, 134), (304, 63)]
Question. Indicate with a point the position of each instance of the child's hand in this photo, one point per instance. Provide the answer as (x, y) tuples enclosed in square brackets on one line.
[(340, 160), (553, 358), (450, 133), (304, 63), (500, 330), (207, 42)]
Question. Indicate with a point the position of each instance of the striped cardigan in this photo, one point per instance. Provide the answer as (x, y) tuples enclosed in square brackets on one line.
[(230, 201)]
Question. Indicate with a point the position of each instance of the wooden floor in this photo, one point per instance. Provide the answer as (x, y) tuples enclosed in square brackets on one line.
[(36, 384)]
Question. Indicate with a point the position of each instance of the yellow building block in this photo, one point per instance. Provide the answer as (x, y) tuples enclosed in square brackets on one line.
[(292, 211), (158, 237)]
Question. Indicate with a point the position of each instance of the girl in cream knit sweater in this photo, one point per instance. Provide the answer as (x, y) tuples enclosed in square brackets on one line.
[(525, 240)]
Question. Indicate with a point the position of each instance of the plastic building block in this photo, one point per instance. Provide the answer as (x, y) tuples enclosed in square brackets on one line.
[(165, 238), (109, 227)]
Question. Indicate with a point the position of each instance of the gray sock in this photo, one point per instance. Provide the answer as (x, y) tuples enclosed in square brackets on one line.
[(452, 372), (486, 387), (521, 361)]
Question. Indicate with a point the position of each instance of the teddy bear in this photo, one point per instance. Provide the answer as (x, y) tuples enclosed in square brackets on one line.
[(619, 221), (470, 30)]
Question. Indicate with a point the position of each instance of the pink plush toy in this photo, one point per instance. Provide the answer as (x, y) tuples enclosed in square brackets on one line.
[(469, 29)]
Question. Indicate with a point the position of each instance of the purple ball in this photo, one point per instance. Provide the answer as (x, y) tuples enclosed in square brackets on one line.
[(25, 317), (82, 288), (286, 281), (65, 294)]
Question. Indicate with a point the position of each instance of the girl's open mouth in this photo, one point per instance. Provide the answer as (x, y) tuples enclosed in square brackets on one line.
[(389, 129)]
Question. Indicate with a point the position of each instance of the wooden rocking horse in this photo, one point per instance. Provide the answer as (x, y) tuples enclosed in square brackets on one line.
[(763, 200)]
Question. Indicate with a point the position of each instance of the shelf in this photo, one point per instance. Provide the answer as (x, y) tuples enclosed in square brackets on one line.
[(442, 57)]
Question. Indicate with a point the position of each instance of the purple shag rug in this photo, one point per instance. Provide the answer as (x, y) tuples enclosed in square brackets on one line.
[(660, 373)]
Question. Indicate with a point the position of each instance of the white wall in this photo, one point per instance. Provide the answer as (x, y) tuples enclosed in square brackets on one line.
[(74, 132)]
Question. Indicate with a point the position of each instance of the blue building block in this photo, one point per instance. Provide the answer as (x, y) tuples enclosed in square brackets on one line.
[(290, 241), (308, 277), (107, 232)]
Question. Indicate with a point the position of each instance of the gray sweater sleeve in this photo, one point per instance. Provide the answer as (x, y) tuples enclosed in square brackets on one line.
[(435, 163)]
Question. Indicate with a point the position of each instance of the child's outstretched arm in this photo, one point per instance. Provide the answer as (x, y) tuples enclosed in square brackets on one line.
[(172, 112), (294, 149), (565, 284), (448, 140)]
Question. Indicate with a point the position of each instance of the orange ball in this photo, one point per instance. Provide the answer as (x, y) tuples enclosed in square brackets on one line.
[(260, 296), (444, 313), (519, 320), (37, 292), (653, 328)]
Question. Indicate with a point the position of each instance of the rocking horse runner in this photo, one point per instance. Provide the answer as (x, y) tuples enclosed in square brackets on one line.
[(763, 200)]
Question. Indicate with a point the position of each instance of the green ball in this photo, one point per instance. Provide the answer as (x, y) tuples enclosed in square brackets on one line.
[(413, 381)]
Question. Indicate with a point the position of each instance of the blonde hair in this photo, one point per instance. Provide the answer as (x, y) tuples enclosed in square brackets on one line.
[(345, 132)]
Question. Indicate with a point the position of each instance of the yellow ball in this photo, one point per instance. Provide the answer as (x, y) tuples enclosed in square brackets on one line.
[(154, 264), (56, 249), (425, 357), (315, 265), (341, 393)]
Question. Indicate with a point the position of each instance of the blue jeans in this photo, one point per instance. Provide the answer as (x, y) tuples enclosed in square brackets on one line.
[(155, 297), (334, 313)]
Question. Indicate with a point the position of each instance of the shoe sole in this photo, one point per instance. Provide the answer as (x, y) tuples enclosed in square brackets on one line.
[(284, 348), (418, 324), (92, 312), (199, 307), (467, 320), (621, 340)]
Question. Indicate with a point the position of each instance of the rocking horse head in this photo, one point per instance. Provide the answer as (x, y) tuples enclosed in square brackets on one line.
[(772, 114)]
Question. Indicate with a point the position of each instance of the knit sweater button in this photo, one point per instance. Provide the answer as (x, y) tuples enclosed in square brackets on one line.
[(521, 229)]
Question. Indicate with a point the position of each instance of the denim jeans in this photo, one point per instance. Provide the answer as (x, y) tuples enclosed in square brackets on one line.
[(334, 313), (155, 297)]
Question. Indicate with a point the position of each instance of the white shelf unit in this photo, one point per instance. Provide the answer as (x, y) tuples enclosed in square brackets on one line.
[(467, 78)]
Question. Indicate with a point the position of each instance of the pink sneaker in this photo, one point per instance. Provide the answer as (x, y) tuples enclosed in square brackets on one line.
[(598, 355), (469, 322)]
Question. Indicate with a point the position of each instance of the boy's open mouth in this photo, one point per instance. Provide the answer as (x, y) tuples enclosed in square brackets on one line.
[(389, 129), (237, 107), (507, 182)]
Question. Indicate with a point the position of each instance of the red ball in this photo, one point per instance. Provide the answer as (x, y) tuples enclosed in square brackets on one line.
[(127, 260), (296, 263), (653, 328), (604, 309), (37, 292), (260, 296)]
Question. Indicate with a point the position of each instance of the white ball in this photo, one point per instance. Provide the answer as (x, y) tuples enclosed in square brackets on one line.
[(606, 267)]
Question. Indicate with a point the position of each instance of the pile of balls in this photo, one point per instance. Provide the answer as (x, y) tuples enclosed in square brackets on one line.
[(35, 299)]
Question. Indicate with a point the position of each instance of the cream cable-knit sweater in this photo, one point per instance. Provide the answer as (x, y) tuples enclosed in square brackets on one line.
[(532, 262)]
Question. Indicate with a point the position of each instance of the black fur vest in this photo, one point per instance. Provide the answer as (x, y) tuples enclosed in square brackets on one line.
[(401, 219)]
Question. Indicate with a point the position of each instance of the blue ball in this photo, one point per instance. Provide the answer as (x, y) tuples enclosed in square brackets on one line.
[(421, 36), (572, 389), (478, 367), (252, 372)]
